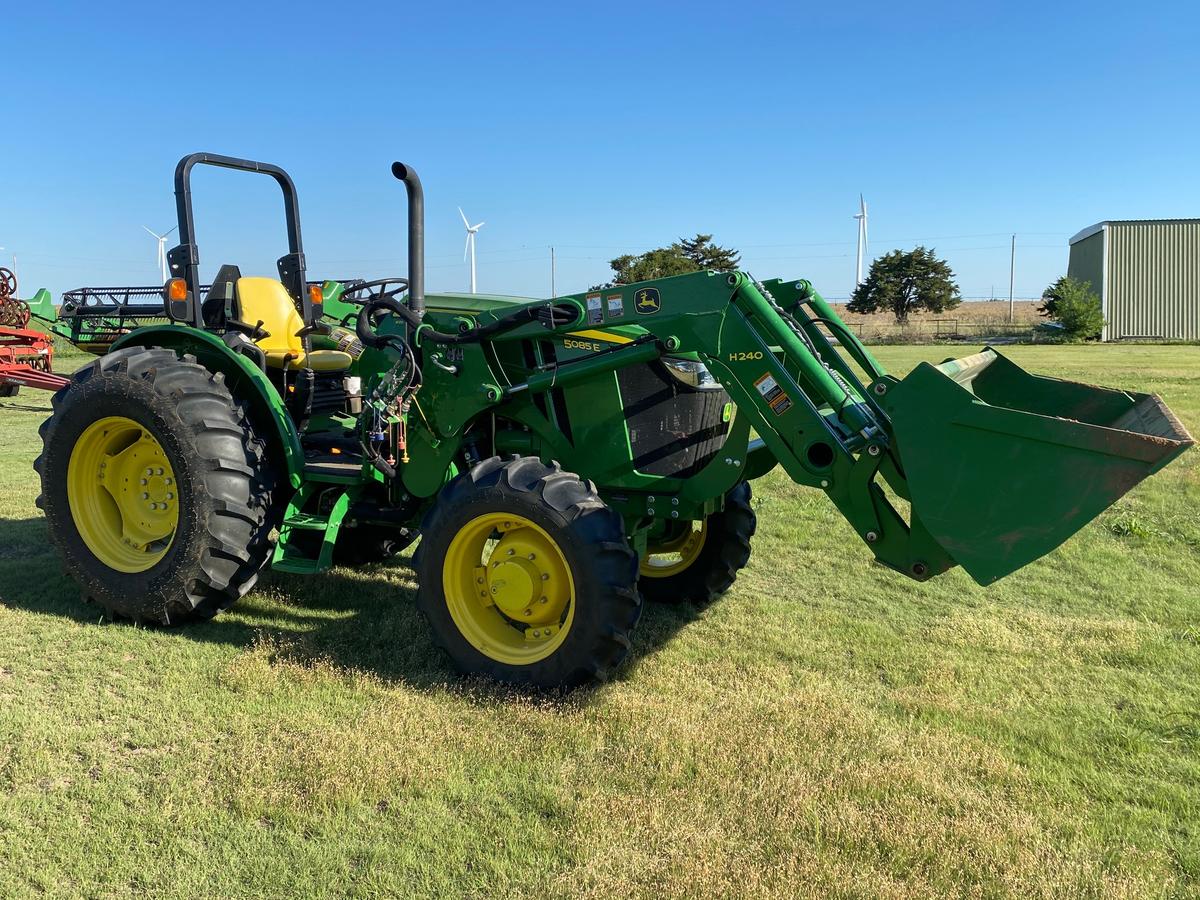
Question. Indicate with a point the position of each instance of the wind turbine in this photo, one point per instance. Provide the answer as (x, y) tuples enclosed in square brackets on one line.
[(162, 250), (862, 238), (470, 245)]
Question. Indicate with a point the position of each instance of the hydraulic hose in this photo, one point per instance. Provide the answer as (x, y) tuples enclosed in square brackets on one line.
[(550, 315)]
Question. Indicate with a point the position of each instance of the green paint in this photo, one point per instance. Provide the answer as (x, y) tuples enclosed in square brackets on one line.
[(999, 466)]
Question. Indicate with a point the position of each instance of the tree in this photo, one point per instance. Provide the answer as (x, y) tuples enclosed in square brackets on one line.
[(707, 255), (1051, 295), (682, 256), (905, 282), (1075, 307)]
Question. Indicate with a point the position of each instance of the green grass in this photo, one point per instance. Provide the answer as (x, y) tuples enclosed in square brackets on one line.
[(828, 727)]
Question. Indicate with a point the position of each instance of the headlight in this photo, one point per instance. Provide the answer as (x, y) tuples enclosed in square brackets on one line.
[(691, 373)]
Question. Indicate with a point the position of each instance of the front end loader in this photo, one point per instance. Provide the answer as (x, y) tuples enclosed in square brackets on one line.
[(559, 459)]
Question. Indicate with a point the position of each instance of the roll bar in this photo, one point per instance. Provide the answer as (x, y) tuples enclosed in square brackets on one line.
[(184, 260)]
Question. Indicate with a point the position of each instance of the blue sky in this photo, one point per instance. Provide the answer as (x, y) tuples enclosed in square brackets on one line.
[(598, 128)]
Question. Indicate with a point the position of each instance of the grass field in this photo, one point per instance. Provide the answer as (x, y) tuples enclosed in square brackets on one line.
[(827, 728)]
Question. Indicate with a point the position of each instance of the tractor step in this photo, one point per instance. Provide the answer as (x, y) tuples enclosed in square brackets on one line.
[(297, 565), (296, 556), (307, 521)]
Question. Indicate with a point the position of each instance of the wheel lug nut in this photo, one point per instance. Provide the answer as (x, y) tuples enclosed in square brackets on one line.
[(512, 552), (531, 556), (479, 581), (545, 576), (170, 497), (145, 496), (544, 600), (160, 471), (144, 482)]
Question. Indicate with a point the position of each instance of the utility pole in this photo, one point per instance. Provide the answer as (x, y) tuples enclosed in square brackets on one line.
[(553, 292), (1012, 268)]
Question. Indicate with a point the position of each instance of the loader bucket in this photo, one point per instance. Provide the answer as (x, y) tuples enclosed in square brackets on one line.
[(1003, 466)]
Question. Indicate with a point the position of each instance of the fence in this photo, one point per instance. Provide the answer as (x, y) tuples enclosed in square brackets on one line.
[(937, 330)]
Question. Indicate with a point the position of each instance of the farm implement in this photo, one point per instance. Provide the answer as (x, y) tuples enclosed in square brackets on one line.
[(560, 459), (26, 355), (93, 318)]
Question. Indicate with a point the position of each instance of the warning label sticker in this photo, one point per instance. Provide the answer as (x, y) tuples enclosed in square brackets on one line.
[(775, 396), (595, 310), (616, 306)]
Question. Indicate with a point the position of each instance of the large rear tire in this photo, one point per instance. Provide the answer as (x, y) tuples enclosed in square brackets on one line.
[(698, 565), (155, 487), (526, 576)]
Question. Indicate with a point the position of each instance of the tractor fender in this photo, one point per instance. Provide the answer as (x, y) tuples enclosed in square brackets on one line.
[(246, 381)]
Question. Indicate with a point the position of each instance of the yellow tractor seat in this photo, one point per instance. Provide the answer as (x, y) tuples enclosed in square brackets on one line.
[(267, 301)]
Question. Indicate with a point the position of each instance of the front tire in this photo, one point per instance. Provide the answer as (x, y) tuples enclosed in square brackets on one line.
[(699, 565), (526, 576), (154, 488)]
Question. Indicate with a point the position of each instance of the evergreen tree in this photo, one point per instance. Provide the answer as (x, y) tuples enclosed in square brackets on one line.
[(679, 258), (905, 282)]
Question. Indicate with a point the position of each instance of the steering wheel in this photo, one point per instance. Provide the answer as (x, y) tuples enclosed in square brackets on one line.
[(365, 292), (373, 299)]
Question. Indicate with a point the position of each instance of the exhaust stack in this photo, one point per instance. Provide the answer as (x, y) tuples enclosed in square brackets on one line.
[(416, 236)]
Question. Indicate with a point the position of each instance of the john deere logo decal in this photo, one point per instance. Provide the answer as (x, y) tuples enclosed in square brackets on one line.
[(647, 301)]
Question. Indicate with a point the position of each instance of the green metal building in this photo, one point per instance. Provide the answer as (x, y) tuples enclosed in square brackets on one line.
[(1147, 273)]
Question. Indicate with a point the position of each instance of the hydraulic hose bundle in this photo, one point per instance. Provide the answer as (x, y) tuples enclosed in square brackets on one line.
[(549, 315), (392, 396)]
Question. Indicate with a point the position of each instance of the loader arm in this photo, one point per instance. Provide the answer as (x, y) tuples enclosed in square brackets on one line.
[(806, 404), (939, 439)]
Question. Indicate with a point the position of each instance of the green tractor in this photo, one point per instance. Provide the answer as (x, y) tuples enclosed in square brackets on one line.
[(560, 459)]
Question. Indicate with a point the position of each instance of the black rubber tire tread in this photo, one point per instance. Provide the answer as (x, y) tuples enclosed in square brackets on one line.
[(725, 553), (9, 390), (592, 539), (371, 543), (225, 485)]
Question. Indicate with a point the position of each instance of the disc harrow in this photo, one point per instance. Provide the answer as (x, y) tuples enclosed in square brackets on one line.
[(14, 312), (26, 356)]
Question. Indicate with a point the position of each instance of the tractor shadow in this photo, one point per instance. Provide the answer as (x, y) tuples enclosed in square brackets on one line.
[(362, 619), (366, 619), (18, 406)]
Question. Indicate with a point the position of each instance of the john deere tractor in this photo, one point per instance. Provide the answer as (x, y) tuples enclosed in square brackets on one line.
[(560, 459)]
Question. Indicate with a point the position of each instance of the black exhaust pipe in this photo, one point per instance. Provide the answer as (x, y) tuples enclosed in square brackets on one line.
[(416, 237)]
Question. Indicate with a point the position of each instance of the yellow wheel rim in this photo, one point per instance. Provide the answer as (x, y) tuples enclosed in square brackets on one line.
[(671, 557), (509, 588), (122, 494)]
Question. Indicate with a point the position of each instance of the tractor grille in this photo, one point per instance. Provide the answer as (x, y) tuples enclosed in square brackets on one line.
[(674, 429)]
